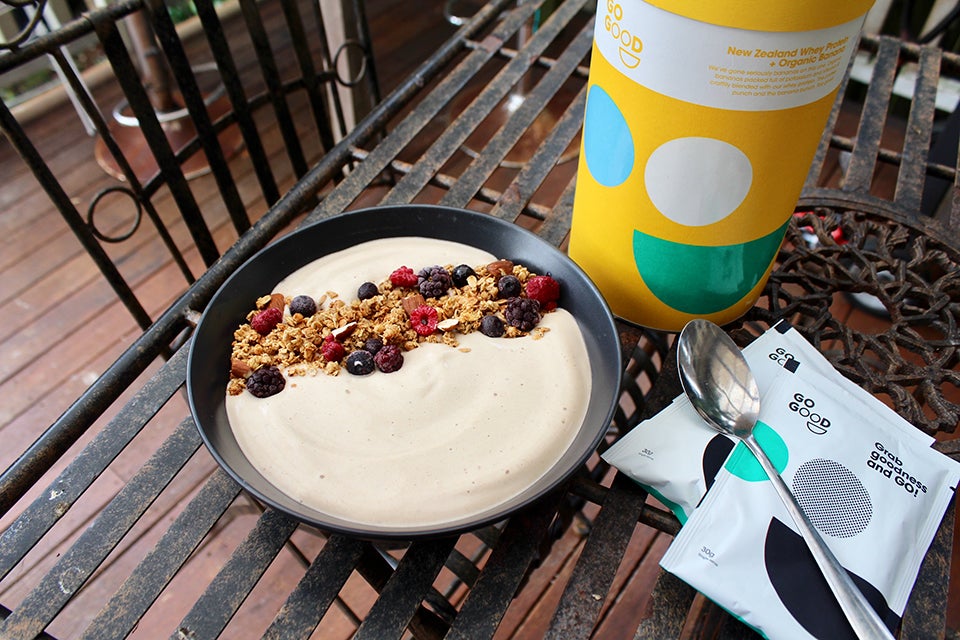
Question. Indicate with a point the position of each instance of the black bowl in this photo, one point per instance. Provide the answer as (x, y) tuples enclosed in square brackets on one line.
[(209, 363)]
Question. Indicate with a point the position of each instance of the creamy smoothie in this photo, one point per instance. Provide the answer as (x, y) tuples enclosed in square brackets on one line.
[(455, 431)]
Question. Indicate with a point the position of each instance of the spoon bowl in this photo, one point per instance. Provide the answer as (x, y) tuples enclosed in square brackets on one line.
[(718, 381)]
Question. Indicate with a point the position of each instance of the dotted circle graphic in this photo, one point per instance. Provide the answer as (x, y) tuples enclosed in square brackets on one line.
[(697, 181), (833, 498)]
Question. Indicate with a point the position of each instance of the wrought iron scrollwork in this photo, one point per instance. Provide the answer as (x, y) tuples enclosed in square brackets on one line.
[(92, 209), (33, 13)]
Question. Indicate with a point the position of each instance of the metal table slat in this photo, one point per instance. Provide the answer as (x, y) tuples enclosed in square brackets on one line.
[(385, 152), (859, 174), (497, 148), (319, 587), (556, 226), (121, 613), (613, 527), (57, 498), (488, 601), (83, 557), (516, 197), (493, 92), (224, 595), (405, 590), (919, 131)]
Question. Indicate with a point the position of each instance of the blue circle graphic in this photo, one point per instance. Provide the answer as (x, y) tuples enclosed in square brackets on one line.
[(607, 142)]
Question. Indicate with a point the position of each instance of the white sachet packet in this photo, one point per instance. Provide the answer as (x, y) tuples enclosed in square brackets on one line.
[(874, 491), (674, 455)]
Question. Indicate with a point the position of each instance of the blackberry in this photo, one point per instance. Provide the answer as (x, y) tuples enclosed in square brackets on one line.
[(434, 281), (509, 287), (461, 273), (367, 290), (389, 358), (491, 326), (522, 313), (360, 363), (373, 345), (304, 305), (265, 382)]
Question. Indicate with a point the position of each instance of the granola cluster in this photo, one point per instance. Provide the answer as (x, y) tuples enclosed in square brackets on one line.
[(296, 342)]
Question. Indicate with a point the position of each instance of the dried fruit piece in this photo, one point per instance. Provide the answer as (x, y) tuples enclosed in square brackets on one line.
[(434, 281), (304, 305), (522, 313), (265, 382), (277, 301), (544, 290), (264, 322), (509, 286), (332, 350), (424, 319), (404, 277), (389, 358), (360, 363)]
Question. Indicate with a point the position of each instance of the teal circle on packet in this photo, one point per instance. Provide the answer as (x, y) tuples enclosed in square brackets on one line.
[(744, 465), (607, 141), (703, 279)]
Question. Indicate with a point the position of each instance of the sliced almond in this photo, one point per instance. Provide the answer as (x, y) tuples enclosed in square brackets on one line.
[(344, 331), (448, 324), (239, 368), (412, 301), (499, 268), (277, 301)]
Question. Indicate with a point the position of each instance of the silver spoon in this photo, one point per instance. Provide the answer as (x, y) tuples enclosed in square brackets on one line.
[(722, 389)]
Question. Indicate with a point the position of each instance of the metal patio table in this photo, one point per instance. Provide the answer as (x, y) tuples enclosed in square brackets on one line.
[(889, 251)]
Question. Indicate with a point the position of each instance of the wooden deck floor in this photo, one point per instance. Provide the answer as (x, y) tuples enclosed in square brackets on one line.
[(61, 326)]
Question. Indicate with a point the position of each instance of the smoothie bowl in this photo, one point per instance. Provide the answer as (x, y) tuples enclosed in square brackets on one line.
[(404, 372)]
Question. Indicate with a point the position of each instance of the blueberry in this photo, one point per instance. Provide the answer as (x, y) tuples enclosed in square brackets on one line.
[(491, 326), (461, 273), (373, 345), (509, 287), (360, 363), (367, 290), (304, 305)]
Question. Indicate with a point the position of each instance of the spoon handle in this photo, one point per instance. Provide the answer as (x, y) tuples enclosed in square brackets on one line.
[(862, 617)]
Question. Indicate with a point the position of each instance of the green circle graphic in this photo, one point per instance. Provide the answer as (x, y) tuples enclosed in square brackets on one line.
[(742, 464)]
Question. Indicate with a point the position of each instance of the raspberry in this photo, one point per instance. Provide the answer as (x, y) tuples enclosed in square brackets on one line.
[(434, 281), (461, 273), (509, 287), (544, 290), (373, 345), (424, 319), (404, 277), (389, 358), (264, 322), (360, 363), (304, 305), (332, 350), (265, 382), (491, 326), (522, 313), (367, 290)]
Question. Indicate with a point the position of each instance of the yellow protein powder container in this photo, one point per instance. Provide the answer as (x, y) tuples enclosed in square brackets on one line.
[(701, 122)]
